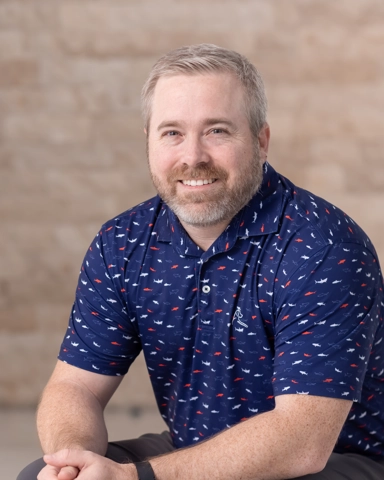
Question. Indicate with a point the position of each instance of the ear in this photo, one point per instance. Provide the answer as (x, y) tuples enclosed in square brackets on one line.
[(145, 131), (263, 138)]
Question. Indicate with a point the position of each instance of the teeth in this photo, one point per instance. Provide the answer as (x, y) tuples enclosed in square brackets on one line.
[(197, 183)]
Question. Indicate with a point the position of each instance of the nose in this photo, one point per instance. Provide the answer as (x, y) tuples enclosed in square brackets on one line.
[(195, 152)]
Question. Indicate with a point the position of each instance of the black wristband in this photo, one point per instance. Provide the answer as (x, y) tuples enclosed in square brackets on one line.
[(145, 471)]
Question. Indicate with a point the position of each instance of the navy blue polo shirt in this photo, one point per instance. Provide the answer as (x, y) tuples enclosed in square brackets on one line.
[(288, 300)]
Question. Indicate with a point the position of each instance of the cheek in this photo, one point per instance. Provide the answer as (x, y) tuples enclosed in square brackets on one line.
[(229, 160), (162, 160), (159, 166)]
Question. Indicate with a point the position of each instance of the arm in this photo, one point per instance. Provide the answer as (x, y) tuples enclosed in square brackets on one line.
[(294, 439), (70, 414)]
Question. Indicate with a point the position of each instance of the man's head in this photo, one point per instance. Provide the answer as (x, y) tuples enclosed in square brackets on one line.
[(205, 148), (205, 59)]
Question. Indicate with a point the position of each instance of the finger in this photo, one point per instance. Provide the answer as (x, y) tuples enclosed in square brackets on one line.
[(48, 473), (68, 473), (65, 458)]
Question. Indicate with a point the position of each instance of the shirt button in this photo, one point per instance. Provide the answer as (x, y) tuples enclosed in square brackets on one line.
[(206, 289)]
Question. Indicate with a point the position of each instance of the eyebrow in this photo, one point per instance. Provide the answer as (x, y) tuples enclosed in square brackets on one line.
[(209, 122), (167, 124)]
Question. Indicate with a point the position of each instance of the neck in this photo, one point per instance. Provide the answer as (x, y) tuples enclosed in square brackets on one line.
[(204, 237)]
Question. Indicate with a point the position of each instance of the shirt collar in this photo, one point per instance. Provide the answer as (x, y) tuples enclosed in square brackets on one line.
[(262, 214), (259, 217)]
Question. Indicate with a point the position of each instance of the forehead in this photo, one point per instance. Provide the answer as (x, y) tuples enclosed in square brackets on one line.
[(198, 94)]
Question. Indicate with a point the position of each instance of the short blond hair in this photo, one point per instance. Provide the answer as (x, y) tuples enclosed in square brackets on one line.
[(204, 59)]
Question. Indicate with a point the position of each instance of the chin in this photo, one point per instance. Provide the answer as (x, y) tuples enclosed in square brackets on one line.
[(208, 216)]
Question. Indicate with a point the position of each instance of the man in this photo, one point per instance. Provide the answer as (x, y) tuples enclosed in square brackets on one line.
[(258, 306)]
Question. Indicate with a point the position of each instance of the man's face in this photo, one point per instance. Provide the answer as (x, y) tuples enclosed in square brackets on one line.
[(204, 161)]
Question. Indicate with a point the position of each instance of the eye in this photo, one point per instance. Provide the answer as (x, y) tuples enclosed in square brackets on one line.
[(171, 133), (218, 130)]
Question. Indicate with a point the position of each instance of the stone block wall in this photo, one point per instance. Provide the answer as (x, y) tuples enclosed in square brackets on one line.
[(72, 150)]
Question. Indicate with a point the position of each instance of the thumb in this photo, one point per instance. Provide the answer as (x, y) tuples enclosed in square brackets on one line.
[(68, 473), (67, 458)]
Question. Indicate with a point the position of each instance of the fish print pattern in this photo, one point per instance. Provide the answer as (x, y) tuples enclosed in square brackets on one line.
[(288, 300)]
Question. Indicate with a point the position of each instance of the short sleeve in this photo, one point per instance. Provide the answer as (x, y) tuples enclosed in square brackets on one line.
[(101, 337), (327, 314)]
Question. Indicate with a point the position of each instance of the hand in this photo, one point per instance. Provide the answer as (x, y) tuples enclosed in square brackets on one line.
[(88, 465), (52, 473)]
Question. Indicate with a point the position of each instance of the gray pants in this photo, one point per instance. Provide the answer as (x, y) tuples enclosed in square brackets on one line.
[(339, 467)]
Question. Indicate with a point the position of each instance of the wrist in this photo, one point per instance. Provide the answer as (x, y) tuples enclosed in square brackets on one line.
[(130, 471)]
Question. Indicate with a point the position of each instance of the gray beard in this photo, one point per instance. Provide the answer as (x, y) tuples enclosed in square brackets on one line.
[(202, 210)]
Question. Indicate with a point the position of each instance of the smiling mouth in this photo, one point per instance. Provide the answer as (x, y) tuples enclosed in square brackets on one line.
[(198, 183)]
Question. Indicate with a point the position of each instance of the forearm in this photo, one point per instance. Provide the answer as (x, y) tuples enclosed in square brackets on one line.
[(293, 440), (70, 416), (266, 447)]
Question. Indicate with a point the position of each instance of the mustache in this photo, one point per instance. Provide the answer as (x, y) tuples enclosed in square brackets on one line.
[(201, 171)]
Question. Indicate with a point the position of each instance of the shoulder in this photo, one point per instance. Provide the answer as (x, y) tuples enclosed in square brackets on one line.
[(310, 218), (133, 225), (313, 232), (136, 217), (120, 236)]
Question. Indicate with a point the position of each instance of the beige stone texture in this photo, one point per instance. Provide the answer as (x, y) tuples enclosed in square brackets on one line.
[(72, 148), (18, 73)]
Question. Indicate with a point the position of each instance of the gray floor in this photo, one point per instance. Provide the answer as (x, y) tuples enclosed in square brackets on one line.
[(19, 444)]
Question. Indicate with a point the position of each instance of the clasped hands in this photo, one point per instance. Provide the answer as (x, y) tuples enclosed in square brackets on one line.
[(84, 465)]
